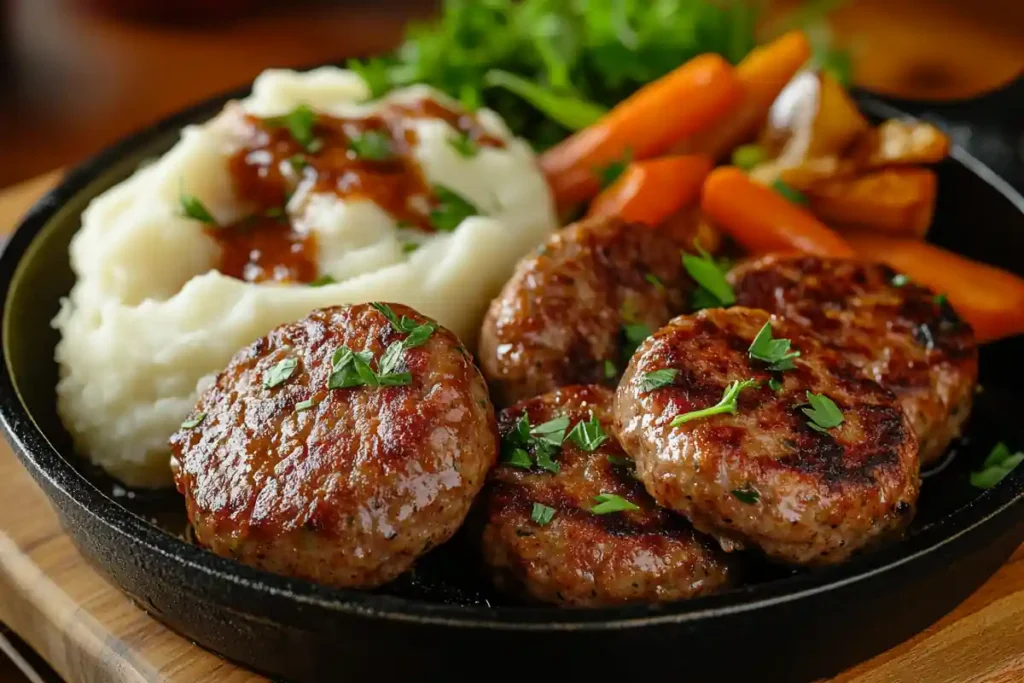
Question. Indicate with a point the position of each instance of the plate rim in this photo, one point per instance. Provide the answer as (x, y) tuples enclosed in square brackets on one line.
[(55, 472)]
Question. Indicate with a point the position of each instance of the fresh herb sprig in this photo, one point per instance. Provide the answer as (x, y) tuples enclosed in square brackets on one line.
[(726, 405), (656, 379), (611, 502), (823, 414), (713, 290), (542, 514), (300, 123), (775, 352), (999, 463), (450, 209)]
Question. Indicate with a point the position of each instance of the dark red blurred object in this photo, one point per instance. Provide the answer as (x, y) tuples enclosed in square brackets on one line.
[(180, 11)]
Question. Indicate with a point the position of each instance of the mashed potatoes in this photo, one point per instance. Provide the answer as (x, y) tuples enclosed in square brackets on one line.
[(150, 321)]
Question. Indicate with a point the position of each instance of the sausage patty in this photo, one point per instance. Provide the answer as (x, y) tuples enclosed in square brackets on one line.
[(344, 486), (901, 334), (569, 313), (765, 475), (579, 558)]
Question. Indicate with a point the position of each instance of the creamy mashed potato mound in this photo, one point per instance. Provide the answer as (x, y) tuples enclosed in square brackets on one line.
[(150, 321)]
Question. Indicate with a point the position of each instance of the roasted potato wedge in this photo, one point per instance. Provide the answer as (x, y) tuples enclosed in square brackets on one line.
[(897, 201), (901, 142)]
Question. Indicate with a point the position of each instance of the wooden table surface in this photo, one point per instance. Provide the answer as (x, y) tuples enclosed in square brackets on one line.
[(88, 631)]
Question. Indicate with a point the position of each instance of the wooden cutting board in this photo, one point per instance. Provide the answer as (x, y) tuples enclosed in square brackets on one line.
[(88, 631)]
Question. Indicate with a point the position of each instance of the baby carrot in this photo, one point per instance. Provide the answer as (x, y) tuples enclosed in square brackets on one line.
[(989, 298), (683, 102), (651, 191), (762, 220)]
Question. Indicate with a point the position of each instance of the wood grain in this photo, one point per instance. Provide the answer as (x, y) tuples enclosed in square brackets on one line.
[(88, 631)]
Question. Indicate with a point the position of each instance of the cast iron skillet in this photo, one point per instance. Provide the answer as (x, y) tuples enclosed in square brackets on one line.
[(784, 626)]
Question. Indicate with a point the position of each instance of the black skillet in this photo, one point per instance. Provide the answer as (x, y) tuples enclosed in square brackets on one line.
[(791, 626)]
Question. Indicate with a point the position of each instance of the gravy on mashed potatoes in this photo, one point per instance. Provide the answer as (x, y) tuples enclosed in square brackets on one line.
[(405, 199)]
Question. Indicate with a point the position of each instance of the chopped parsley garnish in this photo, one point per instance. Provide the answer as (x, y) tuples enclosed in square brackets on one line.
[(941, 300), (747, 494), (418, 333), (634, 335), (899, 280), (299, 122), (275, 212), (409, 247), (610, 370), (566, 108), (304, 405), (587, 434), (726, 405), (622, 461), (657, 379), (790, 193), (747, 157), (373, 145), (322, 281), (543, 441), (451, 209), (714, 290), (352, 369), (464, 145), (609, 502), (542, 514), (775, 385), (656, 281), (194, 421), (824, 414), (192, 208), (610, 173), (280, 373), (999, 463), (298, 162), (775, 352)]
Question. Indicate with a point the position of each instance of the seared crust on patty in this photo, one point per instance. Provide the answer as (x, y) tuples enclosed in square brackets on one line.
[(559, 319), (580, 558), (764, 476), (902, 335), (350, 490)]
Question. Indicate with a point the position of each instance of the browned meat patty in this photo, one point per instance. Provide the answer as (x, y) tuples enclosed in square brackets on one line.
[(765, 476), (568, 313), (344, 486), (577, 557), (902, 335)]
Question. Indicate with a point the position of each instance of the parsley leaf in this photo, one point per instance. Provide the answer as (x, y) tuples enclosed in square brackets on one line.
[(823, 413), (192, 208), (451, 209), (322, 281), (302, 406), (552, 431), (941, 300), (464, 145), (568, 109), (899, 280), (610, 173), (588, 434), (610, 370), (656, 281), (634, 335), (517, 457), (418, 333), (542, 514), (775, 385), (657, 379), (747, 157), (298, 162), (775, 352), (610, 502), (790, 193), (544, 440), (726, 405), (715, 291), (622, 461), (748, 494), (373, 145), (280, 373), (999, 463), (194, 421), (299, 122)]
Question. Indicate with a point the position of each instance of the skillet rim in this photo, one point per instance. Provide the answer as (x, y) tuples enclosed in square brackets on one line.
[(984, 516)]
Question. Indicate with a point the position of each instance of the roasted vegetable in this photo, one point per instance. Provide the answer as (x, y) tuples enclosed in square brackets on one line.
[(898, 142), (652, 191), (898, 201)]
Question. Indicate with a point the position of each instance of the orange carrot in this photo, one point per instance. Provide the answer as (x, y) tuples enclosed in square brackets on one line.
[(990, 299), (651, 191), (683, 102), (762, 220), (762, 74)]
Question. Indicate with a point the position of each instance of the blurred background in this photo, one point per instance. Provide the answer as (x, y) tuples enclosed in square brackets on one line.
[(75, 75)]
